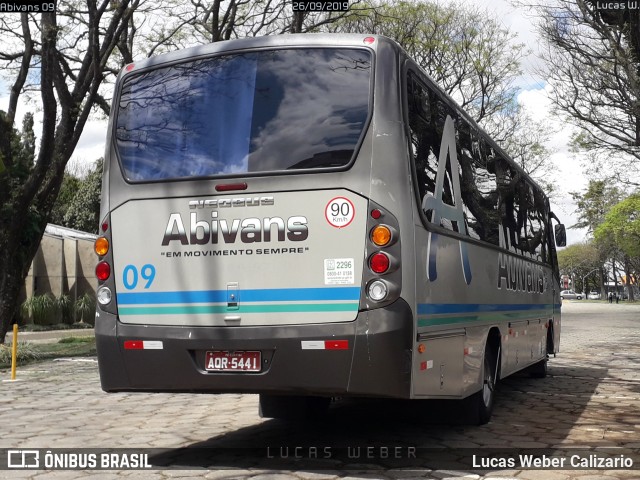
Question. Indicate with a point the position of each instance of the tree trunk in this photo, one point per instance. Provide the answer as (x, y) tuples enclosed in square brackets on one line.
[(19, 242), (628, 278)]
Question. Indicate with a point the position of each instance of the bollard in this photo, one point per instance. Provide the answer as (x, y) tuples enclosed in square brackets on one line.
[(14, 351)]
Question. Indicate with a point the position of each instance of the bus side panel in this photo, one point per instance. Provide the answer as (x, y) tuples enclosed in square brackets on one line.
[(454, 318)]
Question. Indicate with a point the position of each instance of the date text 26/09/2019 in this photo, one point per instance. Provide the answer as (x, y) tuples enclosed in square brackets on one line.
[(320, 5)]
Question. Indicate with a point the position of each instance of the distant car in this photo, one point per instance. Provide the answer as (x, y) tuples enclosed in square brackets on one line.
[(570, 295), (593, 295)]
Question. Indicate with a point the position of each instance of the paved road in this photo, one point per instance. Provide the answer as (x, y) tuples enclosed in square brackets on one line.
[(592, 399)]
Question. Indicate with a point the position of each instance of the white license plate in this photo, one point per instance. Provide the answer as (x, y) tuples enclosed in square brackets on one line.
[(222, 361)]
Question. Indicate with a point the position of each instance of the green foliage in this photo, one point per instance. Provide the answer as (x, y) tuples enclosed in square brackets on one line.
[(83, 210), (580, 260), (85, 308), (621, 226), (27, 352), (26, 149), (65, 308), (594, 203), (31, 352), (47, 310), (57, 326), (42, 308), (76, 340), (70, 186)]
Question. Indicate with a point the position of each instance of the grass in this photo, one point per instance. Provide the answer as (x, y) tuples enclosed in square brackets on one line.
[(58, 326), (35, 352)]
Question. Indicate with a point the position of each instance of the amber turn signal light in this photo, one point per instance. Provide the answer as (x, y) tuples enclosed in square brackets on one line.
[(101, 246)]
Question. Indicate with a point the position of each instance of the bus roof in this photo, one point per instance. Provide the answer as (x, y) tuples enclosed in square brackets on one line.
[(268, 41)]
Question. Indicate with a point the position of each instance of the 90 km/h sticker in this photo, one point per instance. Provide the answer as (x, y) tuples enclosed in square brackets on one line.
[(339, 212)]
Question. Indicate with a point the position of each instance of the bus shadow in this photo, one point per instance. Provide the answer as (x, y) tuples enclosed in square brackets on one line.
[(380, 434)]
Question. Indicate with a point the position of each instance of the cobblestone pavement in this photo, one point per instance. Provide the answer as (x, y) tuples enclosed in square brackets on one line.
[(591, 399)]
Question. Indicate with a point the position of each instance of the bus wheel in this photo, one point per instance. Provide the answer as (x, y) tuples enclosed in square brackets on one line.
[(291, 407), (480, 404), (539, 370)]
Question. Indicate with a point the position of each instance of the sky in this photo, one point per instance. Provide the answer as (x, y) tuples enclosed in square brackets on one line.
[(532, 96)]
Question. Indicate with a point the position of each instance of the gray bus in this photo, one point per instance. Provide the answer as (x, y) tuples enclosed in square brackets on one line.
[(308, 217)]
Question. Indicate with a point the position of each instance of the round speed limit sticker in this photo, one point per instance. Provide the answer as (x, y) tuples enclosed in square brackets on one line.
[(339, 212)]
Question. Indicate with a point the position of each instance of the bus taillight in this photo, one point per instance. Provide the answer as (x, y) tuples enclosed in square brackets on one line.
[(101, 246), (377, 290), (379, 263), (103, 271), (381, 235)]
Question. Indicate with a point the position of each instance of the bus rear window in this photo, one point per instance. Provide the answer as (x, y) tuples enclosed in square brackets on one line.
[(255, 112)]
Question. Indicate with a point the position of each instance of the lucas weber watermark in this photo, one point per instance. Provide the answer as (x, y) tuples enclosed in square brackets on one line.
[(634, 5), (352, 453), (575, 461)]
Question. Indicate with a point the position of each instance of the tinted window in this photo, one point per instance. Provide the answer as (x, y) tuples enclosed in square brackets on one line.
[(479, 191), (254, 112)]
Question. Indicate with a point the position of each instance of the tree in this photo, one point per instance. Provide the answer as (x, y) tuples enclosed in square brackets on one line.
[(70, 185), (469, 55), (83, 211), (599, 197), (594, 203), (473, 58), (578, 261), (591, 56), (621, 226)]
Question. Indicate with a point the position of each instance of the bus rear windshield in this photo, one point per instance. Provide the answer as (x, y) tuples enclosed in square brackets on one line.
[(254, 112)]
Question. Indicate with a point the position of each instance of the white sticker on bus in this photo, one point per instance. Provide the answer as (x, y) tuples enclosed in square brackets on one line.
[(339, 271)]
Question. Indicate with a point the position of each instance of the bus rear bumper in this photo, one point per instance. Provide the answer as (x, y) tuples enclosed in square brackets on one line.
[(370, 356)]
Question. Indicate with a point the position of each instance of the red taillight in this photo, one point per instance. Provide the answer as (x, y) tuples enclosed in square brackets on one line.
[(369, 40), (103, 270), (379, 263), (133, 345), (105, 226), (376, 214)]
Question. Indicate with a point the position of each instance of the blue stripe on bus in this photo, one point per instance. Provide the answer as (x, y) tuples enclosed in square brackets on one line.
[(454, 308), (220, 296)]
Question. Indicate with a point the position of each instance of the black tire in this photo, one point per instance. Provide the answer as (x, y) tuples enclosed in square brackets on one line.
[(540, 369), (290, 407), (480, 404)]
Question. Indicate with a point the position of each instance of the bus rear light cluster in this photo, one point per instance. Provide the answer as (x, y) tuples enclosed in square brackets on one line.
[(102, 248), (382, 277)]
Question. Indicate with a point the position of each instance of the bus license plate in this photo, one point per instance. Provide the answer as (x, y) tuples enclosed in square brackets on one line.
[(220, 361)]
